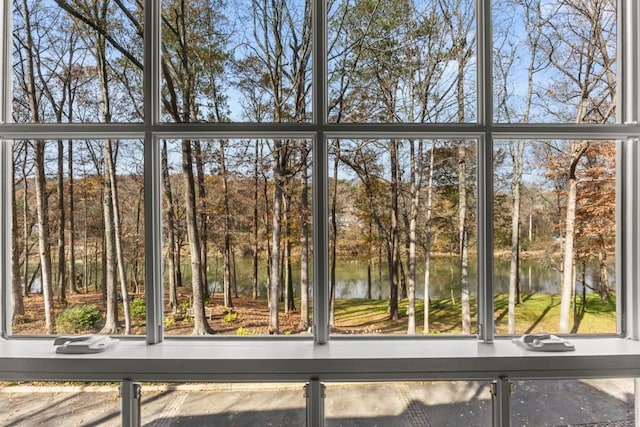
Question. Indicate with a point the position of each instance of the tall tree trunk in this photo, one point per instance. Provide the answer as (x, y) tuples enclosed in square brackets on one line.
[(289, 303), (267, 233), (394, 235), (334, 236), (200, 325), (171, 224), (228, 302), (577, 149), (73, 285), (26, 227), (463, 238), (458, 31), (111, 204), (256, 243), (429, 237), (603, 282), (304, 244), (109, 261), (202, 215), (276, 234), (43, 235), (517, 154), (85, 248), (414, 191), (62, 279), (17, 303), (40, 181), (111, 172)]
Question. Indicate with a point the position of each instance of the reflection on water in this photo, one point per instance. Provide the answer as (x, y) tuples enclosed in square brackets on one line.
[(536, 276)]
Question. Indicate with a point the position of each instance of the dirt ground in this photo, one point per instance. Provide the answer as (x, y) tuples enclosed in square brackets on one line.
[(250, 316)]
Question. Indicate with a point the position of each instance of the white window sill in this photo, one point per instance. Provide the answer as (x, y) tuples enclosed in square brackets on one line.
[(301, 360)]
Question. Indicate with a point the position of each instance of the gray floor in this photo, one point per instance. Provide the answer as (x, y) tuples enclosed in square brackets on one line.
[(534, 403)]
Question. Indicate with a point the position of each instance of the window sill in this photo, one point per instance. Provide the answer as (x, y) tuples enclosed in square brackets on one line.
[(339, 360)]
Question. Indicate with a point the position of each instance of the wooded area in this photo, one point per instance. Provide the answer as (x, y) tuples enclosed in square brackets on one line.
[(237, 212)]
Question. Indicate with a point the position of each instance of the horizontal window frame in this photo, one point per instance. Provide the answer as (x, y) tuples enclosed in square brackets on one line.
[(341, 360)]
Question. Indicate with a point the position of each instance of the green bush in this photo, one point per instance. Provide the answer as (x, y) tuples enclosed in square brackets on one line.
[(230, 317), (138, 309), (78, 319)]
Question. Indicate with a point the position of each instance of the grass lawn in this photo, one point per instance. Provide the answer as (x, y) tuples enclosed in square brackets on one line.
[(537, 313)]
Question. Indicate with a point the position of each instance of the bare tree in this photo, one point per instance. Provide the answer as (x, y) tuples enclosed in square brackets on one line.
[(31, 61), (172, 249), (458, 19), (429, 235), (511, 111), (580, 45), (17, 303)]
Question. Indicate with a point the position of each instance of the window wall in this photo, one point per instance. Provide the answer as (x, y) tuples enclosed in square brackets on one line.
[(320, 170), (427, 168)]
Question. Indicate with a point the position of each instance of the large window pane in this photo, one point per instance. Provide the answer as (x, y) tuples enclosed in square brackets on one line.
[(433, 403), (408, 62), (555, 233), (599, 402), (555, 61), (245, 60), (78, 237), (57, 404), (238, 211), (238, 404), (399, 209), (82, 63)]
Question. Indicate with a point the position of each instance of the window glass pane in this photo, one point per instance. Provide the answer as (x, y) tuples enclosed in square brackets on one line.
[(408, 62), (600, 402), (78, 237), (555, 61), (244, 60), (55, 404), (238, 211), (555, 233), (237, 404), (82, 63), (394, 214), (433, 403)]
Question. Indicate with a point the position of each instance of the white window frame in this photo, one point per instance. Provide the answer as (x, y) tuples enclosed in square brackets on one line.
[(336, 358)]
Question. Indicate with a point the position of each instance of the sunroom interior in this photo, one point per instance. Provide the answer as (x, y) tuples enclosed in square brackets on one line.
[(311, 194)]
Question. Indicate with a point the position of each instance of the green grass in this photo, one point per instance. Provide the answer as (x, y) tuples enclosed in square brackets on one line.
[(537, 313), (540, 312)]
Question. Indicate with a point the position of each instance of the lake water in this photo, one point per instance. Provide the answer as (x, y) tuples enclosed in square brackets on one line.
[(536, 276)]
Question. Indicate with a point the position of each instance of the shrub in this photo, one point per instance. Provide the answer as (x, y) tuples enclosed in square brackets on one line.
[(230, 317), (138, 309), (77, 319)]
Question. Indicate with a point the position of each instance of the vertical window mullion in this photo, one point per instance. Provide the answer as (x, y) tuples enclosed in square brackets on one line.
[(485, 173), (5, 71), (629, 54), (152, 174), (320, 177), (631, 250), (6, 165), (628, 229)]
